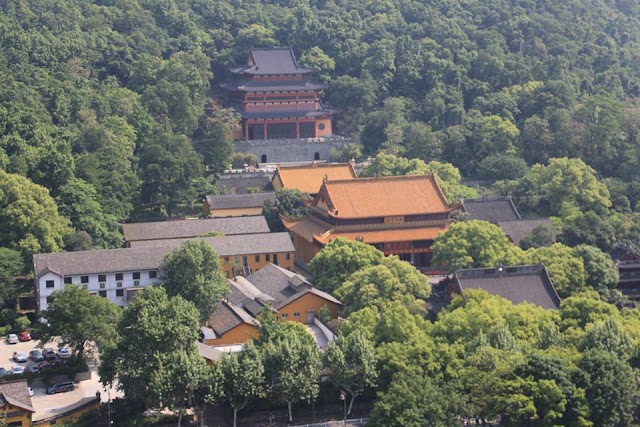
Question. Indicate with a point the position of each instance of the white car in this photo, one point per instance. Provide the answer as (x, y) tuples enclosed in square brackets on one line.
[(17, 369), (64, 353), (12, 339), (30, 391)]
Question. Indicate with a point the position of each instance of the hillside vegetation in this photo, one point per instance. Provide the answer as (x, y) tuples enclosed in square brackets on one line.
[(107, 103)]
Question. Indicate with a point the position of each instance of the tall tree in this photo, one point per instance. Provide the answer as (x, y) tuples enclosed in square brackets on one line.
[(77, 318), (178, 376), (292, 368), (11, 266), (338, 260), (29, 218), (237, 378), (193, 272), (391, 280), (153, 328), (474, 244), (213, 138), (78, 201), (414, 400), (352, 362), (612, 388), (571, 182), (168, 165), (600, 269)]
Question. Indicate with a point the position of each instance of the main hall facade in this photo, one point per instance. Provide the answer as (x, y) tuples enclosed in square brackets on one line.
[(398, 215)]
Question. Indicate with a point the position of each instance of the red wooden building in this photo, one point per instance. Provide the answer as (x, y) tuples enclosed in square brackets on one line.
[(276, 99)]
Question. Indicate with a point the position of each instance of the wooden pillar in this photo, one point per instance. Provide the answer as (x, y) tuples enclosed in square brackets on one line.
[(246, 130), (315, 128), (297, 129), (264, 130)]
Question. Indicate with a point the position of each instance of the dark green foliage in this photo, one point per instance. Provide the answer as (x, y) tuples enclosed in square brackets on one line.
[(502, 166), (292, 203), (193, 272), (337, 261), (11, 266), (168, 167), (611, 388), (77, 318), (415, 401), (156, 345), (542, 235)]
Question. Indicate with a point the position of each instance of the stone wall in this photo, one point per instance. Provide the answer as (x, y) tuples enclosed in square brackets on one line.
[(291, 150)]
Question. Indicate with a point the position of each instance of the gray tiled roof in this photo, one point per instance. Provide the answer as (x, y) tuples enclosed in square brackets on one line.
[(491, 209), (16, 393), (194, 228), (240, 244), (517, 284), (274, 60), (227, 317), (149, 255), (239, 201), (518, 229), (283, 285), (100, 261), (240, 183)]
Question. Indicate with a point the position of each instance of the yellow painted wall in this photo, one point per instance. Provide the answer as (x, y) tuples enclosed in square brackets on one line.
[(16, 415), (308, 302), (254, 264), (327, 128), (238, 335), (222, 213)]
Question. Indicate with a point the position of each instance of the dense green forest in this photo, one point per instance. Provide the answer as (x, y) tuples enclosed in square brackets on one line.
[(109, 104), (110, 111)]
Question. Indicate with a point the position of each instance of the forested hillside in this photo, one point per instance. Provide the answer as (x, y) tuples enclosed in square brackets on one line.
[(108, 105)]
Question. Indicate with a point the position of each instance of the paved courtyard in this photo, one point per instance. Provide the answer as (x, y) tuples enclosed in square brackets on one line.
[(49, 405)]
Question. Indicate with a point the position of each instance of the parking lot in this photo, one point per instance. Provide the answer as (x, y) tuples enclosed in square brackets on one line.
[(6, 353), (50, 405)]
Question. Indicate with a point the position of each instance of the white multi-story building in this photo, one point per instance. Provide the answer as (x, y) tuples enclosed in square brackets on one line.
[(111, 273), (118, 274)]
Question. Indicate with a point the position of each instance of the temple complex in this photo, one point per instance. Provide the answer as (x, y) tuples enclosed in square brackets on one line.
[(276, 99), (399, 215)]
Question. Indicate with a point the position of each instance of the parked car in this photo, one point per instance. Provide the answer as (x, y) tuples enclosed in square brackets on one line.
[(60, 387), (36, 355), (17, 369), (34, 369), (12, 339), (64, 353), (19, 356), (43, 366), (49, 354), (24, 336), (3, 372)]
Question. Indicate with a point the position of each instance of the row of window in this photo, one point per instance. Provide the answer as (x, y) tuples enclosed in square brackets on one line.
[(286, 315), (119, 293), (257, 258), (103, 278)]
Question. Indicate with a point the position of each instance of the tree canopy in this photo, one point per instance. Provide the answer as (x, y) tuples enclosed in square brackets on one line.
[(77, 318), (157, 334), (193, 272)]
